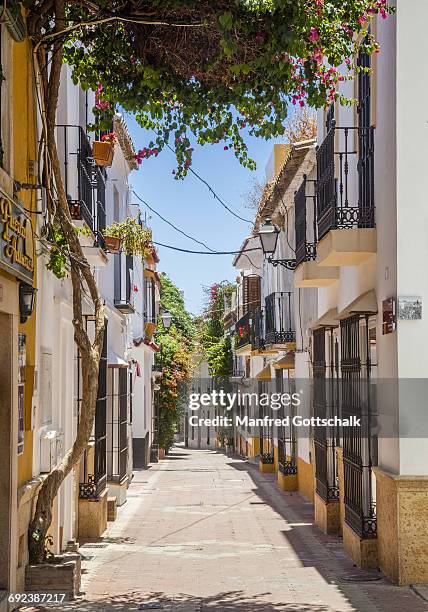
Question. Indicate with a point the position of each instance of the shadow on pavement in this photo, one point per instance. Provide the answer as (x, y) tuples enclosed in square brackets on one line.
[(230, 601), (325, 552)]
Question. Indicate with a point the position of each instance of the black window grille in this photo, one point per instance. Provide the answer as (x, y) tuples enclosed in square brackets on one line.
[(343, 203), (93, 476), (117, 425), (124, 283), (360, 509), (287, 439), (149, 301), (257, 329), (243, 330), (279, 313), (325, 406), (266, 432)]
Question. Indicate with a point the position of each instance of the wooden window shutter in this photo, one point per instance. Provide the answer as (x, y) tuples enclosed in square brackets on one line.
[(252, 292)]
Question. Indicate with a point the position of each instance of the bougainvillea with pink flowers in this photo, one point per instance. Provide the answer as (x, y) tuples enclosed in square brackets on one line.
[(204, 71)]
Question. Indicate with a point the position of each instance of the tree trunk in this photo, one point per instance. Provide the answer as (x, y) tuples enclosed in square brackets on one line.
[(81, 276)]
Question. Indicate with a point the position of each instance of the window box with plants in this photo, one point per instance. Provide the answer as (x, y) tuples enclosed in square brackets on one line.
[(127, 236), (103, 150)]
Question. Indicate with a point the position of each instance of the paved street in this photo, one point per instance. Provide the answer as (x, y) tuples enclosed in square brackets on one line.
[(202, 531)]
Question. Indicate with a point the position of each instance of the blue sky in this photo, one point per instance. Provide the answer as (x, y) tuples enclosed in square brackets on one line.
[(189, 205)]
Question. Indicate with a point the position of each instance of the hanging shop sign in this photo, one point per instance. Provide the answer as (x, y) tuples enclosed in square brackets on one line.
[(16, 241)]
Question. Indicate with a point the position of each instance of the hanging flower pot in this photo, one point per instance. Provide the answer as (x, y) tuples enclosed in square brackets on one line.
[(103, 150), (102, 153), (112, 244)]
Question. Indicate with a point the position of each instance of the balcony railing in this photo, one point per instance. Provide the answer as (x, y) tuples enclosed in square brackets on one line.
[(258, 329), (345, 180), (243, 330), (279, 313), (305, 236), (84, 181)]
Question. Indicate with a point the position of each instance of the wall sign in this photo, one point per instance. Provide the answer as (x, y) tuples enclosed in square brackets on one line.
[(16, 241), (409, 308)]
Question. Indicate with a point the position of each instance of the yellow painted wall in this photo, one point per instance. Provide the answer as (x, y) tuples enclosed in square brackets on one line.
[(24, 150)]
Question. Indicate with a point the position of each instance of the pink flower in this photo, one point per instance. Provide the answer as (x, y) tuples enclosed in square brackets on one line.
[(302, 103), (225, 148), (362, 19), (314, 34), (383, 13)]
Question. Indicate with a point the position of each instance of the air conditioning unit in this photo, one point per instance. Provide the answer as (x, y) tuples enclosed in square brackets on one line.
[(51, 449)]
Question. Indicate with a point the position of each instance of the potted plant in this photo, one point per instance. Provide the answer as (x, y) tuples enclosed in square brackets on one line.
[(127, 235), (103, 150)]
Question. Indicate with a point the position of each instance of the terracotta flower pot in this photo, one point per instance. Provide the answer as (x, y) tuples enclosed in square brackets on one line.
[(103, 153), (112, 244)]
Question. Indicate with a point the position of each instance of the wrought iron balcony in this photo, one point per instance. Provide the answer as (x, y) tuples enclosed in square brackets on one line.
[(84, 181), (243, 330), (305, 250), (257, 329), (345, 179), (279, 318)]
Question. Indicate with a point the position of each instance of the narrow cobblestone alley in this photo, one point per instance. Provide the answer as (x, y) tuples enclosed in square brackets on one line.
[(203, 531)]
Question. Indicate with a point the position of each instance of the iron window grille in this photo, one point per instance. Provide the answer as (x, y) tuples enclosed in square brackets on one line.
[(243, 330), (257, 329), (287, 439), (324, 406), (149, 301), (93, 471), (124, 283), (266, 433), (358, 442), (117, 425)]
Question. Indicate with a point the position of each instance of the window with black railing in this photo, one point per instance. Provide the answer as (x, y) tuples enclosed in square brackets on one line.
[(345, 166), (305, 234), (93, 470), (266, 433), (238, 369), (84, 180), (124, 283), (279, 318), (149, 301), (358, 443), (345, 185), (287, 438), (243, 330), (117, 425), (324, 406), (257, 329)]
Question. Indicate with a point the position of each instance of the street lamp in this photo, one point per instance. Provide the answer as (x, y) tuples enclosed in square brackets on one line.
[(166, 319), (27, 295), (268, 235)]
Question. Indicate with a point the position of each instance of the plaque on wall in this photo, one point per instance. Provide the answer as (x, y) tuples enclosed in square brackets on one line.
[(409, 307)]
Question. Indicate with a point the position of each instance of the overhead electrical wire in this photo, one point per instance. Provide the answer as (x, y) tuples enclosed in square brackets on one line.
[(170, 223), (168, 246), (213, 192)]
